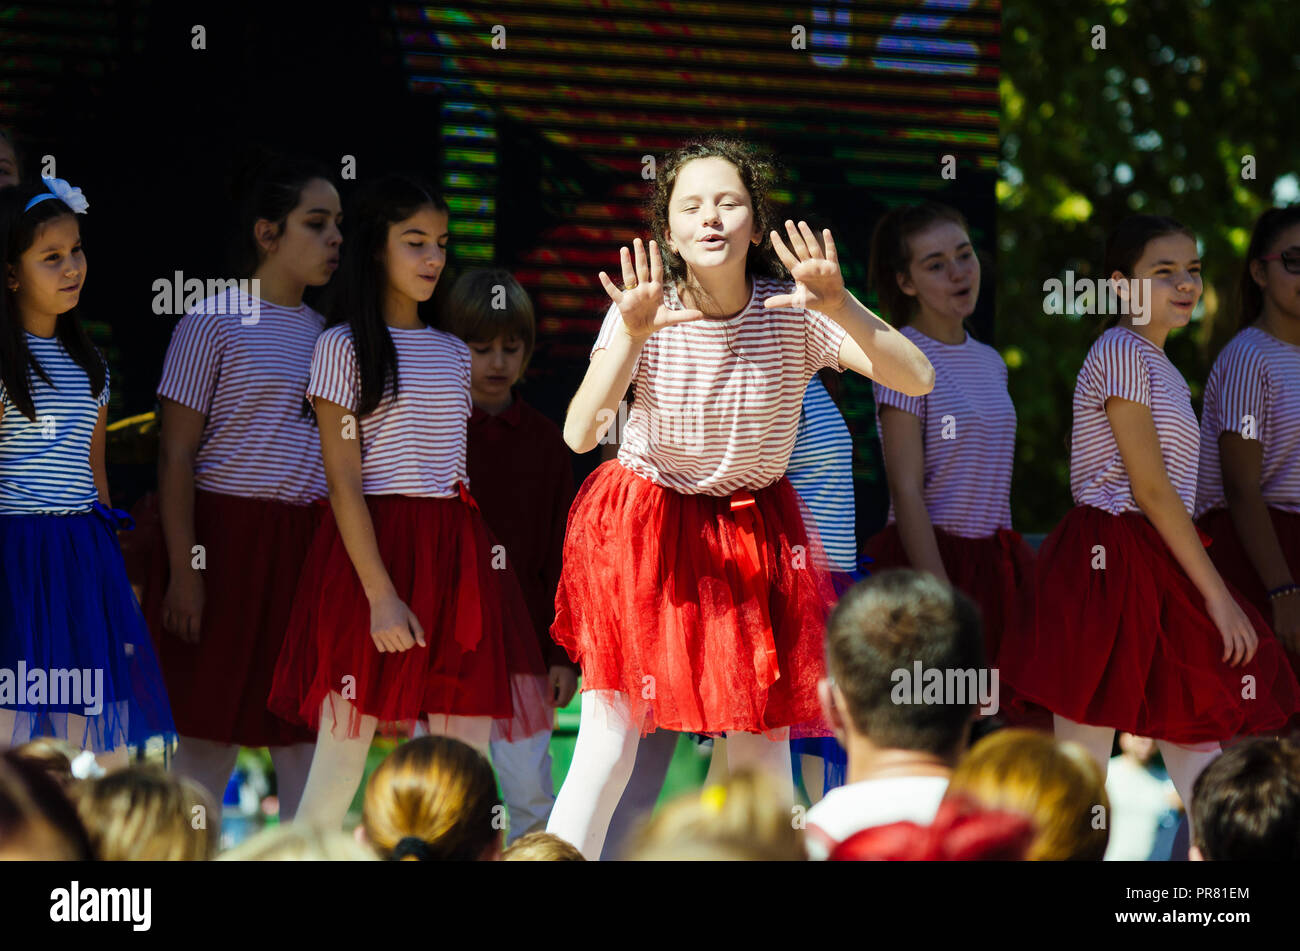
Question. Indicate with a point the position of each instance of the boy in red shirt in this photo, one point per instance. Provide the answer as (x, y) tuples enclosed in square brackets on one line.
[(521, 475)]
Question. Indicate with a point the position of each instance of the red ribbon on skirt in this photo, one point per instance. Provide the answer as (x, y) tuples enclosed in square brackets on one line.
[(467, 606), (749, 523)]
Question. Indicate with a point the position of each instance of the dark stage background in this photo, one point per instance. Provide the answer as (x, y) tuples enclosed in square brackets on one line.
[(537, 146)]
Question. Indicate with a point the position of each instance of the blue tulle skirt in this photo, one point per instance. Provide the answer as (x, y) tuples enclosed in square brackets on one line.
[(76, 661)]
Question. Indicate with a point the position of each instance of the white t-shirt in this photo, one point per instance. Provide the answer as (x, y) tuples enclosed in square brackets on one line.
[(1138, 798), (872, 802)]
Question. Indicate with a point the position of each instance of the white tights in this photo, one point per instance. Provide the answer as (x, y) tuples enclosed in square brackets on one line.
[(1184, 763), (602, 762), (339, 762)]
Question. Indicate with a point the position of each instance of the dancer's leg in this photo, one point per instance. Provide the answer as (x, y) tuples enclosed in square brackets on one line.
[(1184, 764), (8, 723), (524, 770), (757, 751), (602, 762), (292, 764), (207, 762), (336, 767), (653, 756), (813, 769), (476, 731), (1097, 740)]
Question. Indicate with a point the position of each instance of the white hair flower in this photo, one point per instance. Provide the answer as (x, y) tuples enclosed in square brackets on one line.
[(84, 764), (58, 188), (70, 196)]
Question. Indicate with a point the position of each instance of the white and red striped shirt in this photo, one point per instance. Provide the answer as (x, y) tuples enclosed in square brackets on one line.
[(968, 423), (1125, 364), (718, 401), (414, 445), (1254, 391), (247, 379)]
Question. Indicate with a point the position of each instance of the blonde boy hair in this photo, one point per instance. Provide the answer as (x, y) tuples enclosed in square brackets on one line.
[(142, 813), (1055, 784)]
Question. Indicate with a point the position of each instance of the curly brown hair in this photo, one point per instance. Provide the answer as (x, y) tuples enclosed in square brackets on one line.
[(759, 172)]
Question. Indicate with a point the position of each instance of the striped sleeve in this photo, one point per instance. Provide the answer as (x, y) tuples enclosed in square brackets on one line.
[(334, 371), (193, 362), (1242, 392), (607, 329), (822, 342), (1119, 370), (908, 404)]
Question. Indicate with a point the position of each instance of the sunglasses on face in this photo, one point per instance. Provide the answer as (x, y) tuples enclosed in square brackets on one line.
[(1290, 260)]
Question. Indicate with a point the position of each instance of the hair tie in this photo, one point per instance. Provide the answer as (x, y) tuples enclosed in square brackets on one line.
[(412, 845), (58, 188)]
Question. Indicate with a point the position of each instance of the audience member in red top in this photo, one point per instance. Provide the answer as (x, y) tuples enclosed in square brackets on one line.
[(521, 475), (961, 832)]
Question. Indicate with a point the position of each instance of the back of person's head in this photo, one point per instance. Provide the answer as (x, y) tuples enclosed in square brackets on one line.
[(961, 832), (299, 842), (55, 756), (882, 627), (433, 798), (541, 847), (486, 303), (1246, 804), (1056, 785), (747, 816), (37, 822), (144, 814)]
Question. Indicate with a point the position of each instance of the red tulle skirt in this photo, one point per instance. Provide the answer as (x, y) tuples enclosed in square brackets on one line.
[(997, 573), (1131, 646), (1229, 556), (481, 657), (706, 613), (253, 549)]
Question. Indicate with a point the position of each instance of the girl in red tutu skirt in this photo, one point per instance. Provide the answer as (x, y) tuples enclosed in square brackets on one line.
[(404, 610), (1248, 491), (948, 454), (239, 471), (692, 593), (1135, 630)]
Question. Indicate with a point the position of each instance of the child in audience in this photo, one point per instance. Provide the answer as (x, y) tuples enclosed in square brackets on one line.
[(900, 754), (1246, 804), (1054, 783), (433, 799), (143, 814)]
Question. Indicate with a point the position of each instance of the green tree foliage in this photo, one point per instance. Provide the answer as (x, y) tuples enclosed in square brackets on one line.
[(1159, 121)]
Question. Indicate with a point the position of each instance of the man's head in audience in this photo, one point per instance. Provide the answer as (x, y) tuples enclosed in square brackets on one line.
[(879, 631), (1246, 804)]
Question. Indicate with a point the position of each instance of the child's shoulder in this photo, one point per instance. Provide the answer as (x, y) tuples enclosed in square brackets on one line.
[(1118, 346), (450, 341), (334, 342), (1248, 347)]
